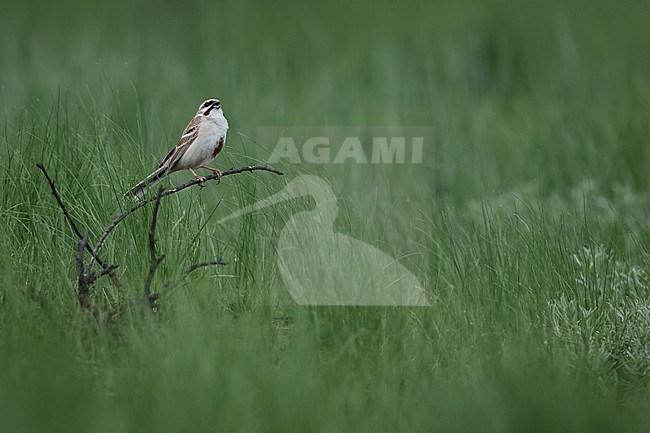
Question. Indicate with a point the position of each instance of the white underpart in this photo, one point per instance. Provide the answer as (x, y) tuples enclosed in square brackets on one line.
[(212, 129)]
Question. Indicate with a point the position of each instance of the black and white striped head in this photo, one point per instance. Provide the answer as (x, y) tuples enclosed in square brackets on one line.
[(210, 106)]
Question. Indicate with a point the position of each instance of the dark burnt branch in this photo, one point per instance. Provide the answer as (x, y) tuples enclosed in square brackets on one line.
[(94, 277), (191, 269), (107, 270), (159, 194), (56, 195), (155, 259), (196, 266), (83, 291), (85, 276)]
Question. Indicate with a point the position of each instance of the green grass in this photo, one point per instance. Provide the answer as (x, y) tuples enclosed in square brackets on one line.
[(527, 223)]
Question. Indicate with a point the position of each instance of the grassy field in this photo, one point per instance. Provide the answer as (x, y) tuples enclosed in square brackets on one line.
[(527, 222)]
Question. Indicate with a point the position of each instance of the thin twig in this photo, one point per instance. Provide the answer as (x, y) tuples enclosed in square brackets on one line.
[(196, 266), (191, 269), (61, 205), (158, 195), (108, 270), (155, 260)]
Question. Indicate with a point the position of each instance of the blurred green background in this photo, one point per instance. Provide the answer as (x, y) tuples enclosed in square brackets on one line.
[(486, 75), (526, 222)]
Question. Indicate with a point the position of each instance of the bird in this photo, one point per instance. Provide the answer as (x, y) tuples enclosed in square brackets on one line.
[(323, 267), (201, 141)]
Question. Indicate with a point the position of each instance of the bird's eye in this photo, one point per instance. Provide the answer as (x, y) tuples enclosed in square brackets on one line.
[(217, 104)]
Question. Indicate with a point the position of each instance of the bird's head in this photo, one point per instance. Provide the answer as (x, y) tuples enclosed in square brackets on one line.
[(210, 107)]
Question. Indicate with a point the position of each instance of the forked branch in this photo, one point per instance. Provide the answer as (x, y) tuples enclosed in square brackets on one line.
[(85, 276), (160, 194)]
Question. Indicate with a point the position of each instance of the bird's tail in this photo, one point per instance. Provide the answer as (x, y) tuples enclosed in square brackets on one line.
[(138, 191)]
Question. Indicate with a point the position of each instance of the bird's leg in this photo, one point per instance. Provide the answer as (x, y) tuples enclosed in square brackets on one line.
[(215, 171), (201, 179)]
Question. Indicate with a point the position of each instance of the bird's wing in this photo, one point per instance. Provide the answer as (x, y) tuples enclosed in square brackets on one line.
[(188, 137)]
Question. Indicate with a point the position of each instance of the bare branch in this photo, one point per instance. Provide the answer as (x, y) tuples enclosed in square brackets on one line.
[(56, 195), (191, 269), (159, 194), (196, 266), (83, 292), (108, 270), (85, 276), (155, 260)]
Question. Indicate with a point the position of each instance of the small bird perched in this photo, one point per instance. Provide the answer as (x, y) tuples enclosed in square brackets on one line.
[(201, 141)]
